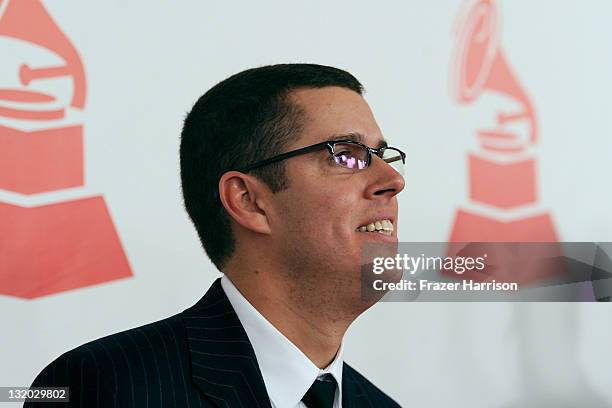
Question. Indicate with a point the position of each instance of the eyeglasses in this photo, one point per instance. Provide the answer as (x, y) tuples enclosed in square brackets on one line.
[(345, 153)]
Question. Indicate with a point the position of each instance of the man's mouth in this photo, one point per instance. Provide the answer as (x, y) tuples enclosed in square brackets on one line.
[(384, 227)]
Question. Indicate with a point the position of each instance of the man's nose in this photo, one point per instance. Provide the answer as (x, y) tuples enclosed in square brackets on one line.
[(386, 181)]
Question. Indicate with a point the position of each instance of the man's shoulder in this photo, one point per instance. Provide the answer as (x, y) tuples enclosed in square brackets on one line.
[(156, 338), (105, 371), (364, 388)]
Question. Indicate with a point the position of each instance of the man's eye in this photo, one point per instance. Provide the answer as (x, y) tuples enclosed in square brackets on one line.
[(349, 161), (345, 159), (344, 154)]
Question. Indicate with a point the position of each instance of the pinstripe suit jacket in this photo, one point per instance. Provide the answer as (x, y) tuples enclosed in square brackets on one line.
[(201, 357)]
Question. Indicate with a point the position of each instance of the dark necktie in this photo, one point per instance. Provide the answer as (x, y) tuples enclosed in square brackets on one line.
[(321, 393)]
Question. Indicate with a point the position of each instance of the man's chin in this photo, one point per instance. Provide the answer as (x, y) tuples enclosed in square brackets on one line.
[(370, 281)]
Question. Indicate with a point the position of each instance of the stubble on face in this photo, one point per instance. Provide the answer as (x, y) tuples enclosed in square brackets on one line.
[(317, 245)]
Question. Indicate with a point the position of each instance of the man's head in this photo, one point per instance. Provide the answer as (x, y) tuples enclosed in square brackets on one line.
[(304, 212)]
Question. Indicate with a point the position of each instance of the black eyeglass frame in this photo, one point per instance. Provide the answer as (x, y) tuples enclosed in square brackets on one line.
[(330, 144)]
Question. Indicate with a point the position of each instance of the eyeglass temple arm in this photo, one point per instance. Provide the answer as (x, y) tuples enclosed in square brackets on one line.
[(401, 157), (284, 156)]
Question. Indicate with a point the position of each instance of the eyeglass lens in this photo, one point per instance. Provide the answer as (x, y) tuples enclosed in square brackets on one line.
[(394, 159), (353, 156)]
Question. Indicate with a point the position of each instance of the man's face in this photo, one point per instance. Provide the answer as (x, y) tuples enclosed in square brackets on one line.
[(318, 216)]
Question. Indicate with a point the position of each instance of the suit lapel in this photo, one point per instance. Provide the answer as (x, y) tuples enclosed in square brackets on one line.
[(353, 395), (223, 362)]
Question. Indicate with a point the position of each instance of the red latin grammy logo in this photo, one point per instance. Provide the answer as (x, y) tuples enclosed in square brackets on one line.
[(503, 193), (68, 244)]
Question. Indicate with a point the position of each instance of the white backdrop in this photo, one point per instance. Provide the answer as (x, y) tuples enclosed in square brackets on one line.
[(147, 62)]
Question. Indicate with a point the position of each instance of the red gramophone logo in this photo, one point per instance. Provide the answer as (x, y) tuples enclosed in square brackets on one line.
[(503, 189), (67, 244)]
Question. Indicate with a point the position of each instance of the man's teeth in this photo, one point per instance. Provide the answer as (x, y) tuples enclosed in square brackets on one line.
[(381, 226)]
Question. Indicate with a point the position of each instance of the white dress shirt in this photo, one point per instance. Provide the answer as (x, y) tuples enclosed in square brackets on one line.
[(286, 371)]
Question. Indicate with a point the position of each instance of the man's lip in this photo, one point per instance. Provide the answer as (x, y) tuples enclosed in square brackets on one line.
[(377, 236), (379, 218)]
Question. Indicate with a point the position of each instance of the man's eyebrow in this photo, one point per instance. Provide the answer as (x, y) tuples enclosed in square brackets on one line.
[(355, 136)]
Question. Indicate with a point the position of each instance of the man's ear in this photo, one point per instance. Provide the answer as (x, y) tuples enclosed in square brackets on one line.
[(242, 196)]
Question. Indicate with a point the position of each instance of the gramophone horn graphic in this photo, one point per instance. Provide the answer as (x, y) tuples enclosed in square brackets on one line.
[(502, 170), (69, 243)]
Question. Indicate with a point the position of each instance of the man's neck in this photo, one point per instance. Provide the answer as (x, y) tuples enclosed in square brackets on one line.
[(314, 333)]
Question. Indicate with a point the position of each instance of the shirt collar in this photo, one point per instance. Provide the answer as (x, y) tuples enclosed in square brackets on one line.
[(287, 372)]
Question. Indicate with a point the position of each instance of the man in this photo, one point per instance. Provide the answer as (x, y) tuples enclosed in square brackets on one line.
[(286, 176)]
